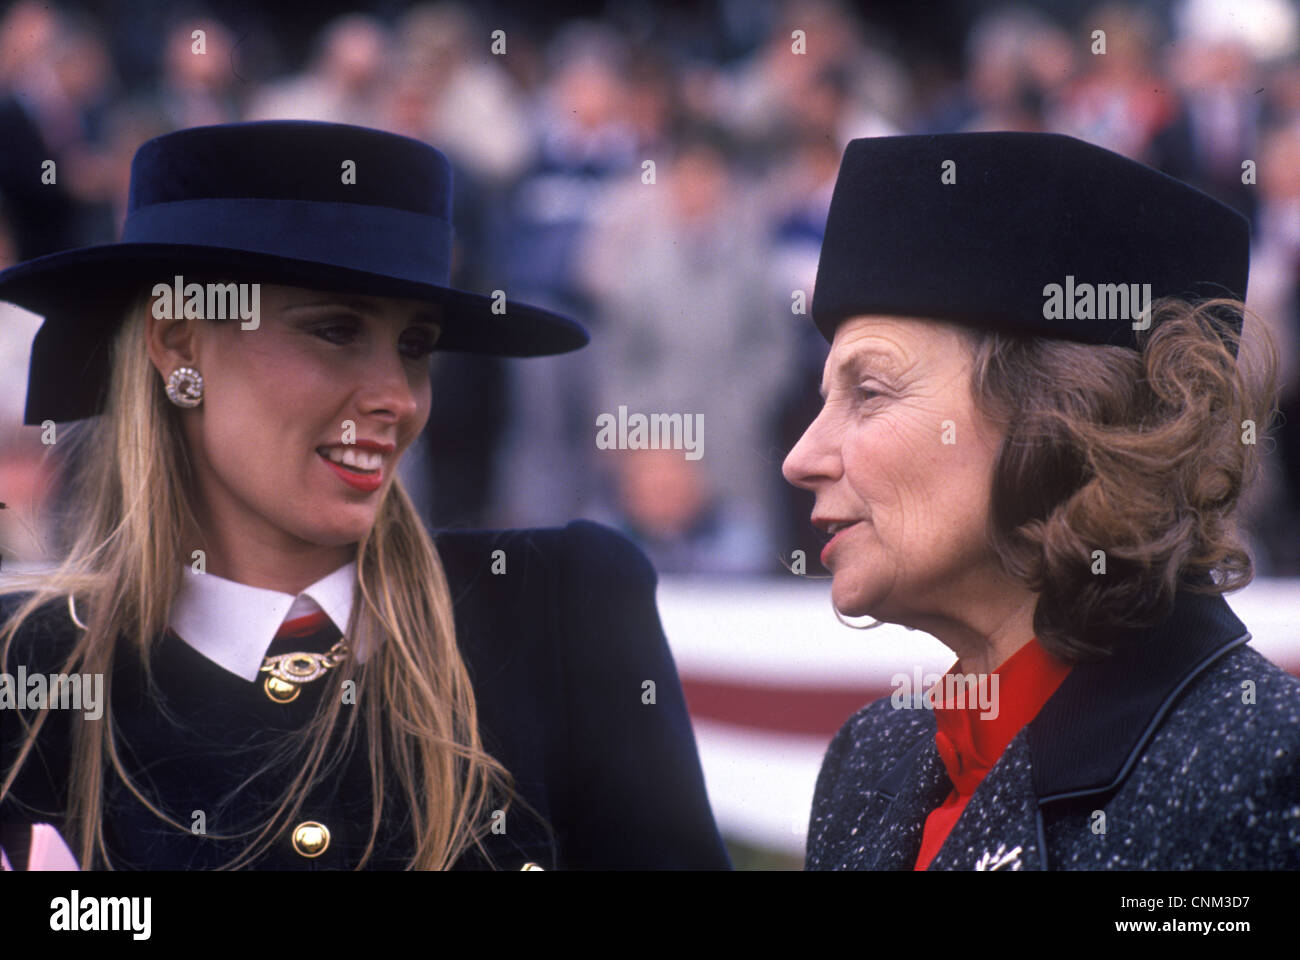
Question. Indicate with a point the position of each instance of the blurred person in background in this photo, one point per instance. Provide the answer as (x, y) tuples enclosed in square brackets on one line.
[(689, 324), (79, 88), (1217, 65), (1119, 100), (42, 216), (1017, 63), (670, 507), (199, 85), (1275, 298), (583, 142), (30, 36), (776, 88), (1283, 105), (345, 83), (1218, 122), (458, 93), (653, 101), (105, 186)]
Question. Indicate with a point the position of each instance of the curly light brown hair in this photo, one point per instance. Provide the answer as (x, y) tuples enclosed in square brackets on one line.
[(1141, 454)]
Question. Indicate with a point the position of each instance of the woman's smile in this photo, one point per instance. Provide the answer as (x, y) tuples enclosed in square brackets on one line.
[(360, 465), (351, 474), (343, 378)]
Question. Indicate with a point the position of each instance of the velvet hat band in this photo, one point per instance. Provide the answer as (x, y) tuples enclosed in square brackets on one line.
[(398, 242)]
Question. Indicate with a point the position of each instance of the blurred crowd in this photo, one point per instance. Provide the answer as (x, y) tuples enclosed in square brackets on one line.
[(664, 178)]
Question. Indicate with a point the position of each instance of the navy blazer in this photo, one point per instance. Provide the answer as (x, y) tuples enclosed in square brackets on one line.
[(559, 648), (1182, 751)]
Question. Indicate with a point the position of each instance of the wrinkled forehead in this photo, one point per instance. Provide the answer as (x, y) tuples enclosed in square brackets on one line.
[(895, 345), (922, 331)]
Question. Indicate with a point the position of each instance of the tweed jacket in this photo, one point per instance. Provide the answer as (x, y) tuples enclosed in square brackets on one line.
[(560, 645), (1181, 751)]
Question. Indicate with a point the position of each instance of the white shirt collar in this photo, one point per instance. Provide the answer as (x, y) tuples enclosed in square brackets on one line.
[(233, 624)]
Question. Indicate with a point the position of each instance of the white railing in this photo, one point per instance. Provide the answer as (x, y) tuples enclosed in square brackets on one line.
[(782, 634)]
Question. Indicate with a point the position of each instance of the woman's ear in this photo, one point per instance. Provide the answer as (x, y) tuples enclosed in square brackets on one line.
[(171, 341)]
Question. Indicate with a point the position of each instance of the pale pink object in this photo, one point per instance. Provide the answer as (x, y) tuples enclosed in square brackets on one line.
[(48, 852)]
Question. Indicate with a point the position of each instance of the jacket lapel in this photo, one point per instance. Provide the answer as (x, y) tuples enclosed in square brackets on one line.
[(1089, 735), (1084, 741), (917, 785), (999, 827)]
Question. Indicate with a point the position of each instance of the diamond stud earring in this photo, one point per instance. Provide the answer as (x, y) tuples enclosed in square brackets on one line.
[(185, 387)]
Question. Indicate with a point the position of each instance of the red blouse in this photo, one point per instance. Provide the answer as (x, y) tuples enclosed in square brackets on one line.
[(970, 745)]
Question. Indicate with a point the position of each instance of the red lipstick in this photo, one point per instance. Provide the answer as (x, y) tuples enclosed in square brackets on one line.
[(367, 482), (827, 549)]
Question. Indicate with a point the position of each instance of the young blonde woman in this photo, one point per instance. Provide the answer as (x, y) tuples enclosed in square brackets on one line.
[(294, 674)]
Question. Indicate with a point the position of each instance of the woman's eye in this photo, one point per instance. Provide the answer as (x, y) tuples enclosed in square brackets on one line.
[(334, 332), (418, 349), (343, 331), (866, 393)]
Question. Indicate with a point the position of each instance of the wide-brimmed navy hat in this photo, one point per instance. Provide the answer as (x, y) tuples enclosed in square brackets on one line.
[(1029, 233), (303, 203)]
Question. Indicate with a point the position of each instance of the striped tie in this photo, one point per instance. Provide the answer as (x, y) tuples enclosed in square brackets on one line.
[(312, 633)]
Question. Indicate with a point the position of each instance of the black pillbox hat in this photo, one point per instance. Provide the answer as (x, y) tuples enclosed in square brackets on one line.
[(1028, 233)]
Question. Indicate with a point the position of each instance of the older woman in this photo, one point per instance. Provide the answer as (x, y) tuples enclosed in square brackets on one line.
[(294, 674), (1036, 433)]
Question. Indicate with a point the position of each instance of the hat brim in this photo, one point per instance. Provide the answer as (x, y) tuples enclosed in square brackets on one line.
[(75, 279), (82, 293)]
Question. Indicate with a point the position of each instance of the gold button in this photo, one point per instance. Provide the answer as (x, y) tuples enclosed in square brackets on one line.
[(311, 839), (280, 691)]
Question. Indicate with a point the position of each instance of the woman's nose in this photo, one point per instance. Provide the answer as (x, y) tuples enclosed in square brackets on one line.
[(813, 460), (388, 386)]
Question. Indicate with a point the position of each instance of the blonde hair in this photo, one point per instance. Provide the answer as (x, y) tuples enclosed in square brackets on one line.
[(131, 494)]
